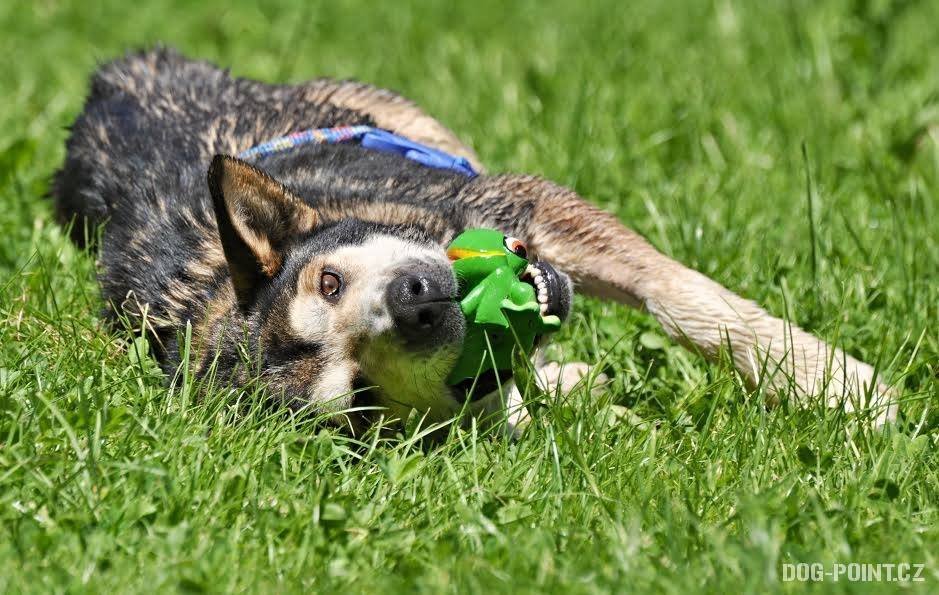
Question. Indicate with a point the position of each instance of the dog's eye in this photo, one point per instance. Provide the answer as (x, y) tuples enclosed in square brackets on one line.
[(516, 247), (330, 284)]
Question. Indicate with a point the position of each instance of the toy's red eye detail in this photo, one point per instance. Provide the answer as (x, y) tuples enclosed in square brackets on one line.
[(516, 247), (330, 284)]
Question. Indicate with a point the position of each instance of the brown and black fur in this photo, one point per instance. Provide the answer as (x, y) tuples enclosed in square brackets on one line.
[(153, 126)]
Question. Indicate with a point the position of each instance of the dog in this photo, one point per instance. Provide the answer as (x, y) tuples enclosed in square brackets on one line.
[(322, 270)]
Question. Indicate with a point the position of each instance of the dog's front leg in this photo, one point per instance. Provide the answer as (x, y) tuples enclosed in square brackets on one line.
[(608, 260)]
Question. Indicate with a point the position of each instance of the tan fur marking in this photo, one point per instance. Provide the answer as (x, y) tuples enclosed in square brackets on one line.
[(388, 214), (210, 258)]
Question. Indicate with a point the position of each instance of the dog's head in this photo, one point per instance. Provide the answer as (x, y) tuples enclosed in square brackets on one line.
[(333, 307)]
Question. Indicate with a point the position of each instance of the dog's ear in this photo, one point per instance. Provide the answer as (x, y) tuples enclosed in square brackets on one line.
[(257, 218)]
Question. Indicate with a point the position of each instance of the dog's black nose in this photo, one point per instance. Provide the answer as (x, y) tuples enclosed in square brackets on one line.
[(418, 305)]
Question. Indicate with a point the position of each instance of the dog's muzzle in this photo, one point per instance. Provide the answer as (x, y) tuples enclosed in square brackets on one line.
[(424, 309)]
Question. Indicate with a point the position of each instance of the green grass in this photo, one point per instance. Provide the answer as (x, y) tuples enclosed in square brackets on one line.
[(688, 121)]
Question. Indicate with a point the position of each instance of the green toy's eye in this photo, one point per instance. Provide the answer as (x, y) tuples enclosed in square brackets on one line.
[(516, 247)]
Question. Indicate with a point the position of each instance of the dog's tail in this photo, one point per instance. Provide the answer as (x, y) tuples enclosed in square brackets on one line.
[(608, 260)]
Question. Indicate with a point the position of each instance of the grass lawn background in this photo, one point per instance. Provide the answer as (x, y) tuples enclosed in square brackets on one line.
[(688, 121)]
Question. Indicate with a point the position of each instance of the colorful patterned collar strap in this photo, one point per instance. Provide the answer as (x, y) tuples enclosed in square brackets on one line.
[(370, 138)]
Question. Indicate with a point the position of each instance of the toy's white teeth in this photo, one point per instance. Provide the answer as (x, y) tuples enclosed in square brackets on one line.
[(540, 284)]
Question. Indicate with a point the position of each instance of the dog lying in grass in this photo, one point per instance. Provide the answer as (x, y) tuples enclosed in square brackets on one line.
[(322, 269)]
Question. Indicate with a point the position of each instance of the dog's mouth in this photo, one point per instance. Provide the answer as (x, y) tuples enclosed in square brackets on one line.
[(548, 286)]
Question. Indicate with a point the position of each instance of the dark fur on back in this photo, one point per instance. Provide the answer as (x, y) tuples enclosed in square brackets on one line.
[(138, 155)]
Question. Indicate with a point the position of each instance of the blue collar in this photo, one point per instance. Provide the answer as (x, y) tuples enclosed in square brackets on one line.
[(370, 138)]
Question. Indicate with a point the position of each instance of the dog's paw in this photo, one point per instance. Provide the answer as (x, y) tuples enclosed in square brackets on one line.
[(859, 391), (554, 377), (841, 382), (556, 380)]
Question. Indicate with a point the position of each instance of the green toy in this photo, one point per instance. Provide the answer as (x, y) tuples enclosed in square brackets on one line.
[(502, 311)]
